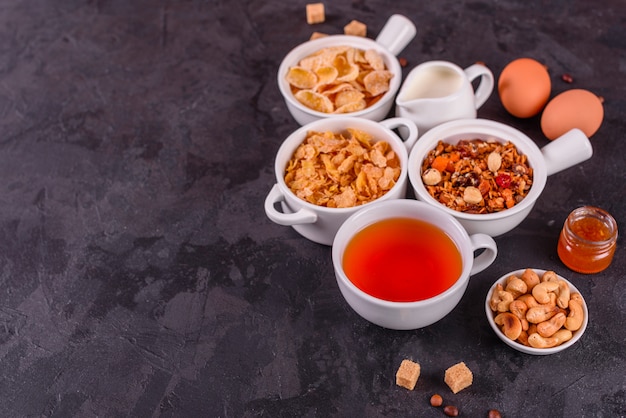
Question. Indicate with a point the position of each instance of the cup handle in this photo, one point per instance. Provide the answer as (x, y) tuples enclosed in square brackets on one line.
[(569, 149), (396, 34), (408, 129), (486, 258), (484, 89), (302, 216)]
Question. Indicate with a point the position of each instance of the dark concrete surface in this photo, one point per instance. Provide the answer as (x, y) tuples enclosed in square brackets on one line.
[(139, 274)]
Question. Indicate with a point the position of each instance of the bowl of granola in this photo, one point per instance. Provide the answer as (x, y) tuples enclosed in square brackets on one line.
[(487, 174)]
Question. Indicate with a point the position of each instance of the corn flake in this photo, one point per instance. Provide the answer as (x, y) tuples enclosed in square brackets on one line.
[(342, 169), (315, 101), (377, 82), (301, 78)]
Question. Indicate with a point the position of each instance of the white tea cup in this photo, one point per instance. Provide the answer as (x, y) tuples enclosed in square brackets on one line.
[(439, 91), (320, 223), (412, 314)]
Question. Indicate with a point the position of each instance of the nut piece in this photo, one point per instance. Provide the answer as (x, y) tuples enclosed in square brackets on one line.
[(563, 294), (494, 161), (315, 13), (538, 314), (472, 195), (407, 374), (451, 411), (549, 276), (494, 413), (510, 324), (515, 286), (355, 28), (530, 278), (458, 377), (551, 326), (431, 177), (436, 400), (575, 318), (519, 309), (542, 291), (500, 299), (529, 300), (537, 341)]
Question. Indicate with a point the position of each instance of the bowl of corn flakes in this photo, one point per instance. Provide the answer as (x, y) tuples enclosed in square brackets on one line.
[(487, 174), (329, 169), (345, 75)]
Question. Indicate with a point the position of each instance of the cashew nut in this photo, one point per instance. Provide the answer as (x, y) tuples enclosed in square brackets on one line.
[(530, 278), (576, 296), (549, 276), (495, 298), (537, 341), (538, 314), (529, 300), (516, 286), (519, 308), (523, 338), (563, 294), (542, 291), (552, 325), (500, 299), (574, 320), (510, 324)]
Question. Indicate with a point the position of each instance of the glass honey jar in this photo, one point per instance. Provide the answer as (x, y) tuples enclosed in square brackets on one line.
[(588, 239)]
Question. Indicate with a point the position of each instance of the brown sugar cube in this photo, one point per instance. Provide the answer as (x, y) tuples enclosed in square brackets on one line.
[(315, 13), (317, 35), (407, 374), (458, 377), (355, 28)]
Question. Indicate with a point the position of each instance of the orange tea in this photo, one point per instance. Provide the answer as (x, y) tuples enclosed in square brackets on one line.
[(402, 260)]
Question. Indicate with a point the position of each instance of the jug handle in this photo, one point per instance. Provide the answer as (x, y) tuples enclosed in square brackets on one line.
[(396, 34), (484, 89)]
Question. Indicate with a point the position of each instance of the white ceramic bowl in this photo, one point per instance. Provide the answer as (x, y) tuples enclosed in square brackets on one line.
[(319, 223), (521, 347), (565, 151), (397, 32), (421, 313)]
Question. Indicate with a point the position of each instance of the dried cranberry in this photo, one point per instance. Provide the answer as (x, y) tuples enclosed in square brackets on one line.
[(503, 180)]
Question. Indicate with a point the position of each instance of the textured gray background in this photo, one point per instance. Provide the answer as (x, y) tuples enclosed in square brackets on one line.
[(139, 274)]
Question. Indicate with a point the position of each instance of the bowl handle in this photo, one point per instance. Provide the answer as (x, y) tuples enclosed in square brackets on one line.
[(302, 216), (396, 34), (407, 129), (569, 149), (486, 258)]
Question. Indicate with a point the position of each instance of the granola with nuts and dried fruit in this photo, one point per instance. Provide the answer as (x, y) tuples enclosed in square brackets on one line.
[(477, 176)]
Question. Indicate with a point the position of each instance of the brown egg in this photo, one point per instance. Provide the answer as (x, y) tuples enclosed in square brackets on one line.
[(571, 109), (524, 87)]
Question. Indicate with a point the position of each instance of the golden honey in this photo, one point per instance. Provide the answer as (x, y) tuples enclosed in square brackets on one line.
[(588, 239)]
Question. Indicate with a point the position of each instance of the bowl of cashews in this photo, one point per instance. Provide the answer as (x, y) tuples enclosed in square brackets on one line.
[(536, 311)]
